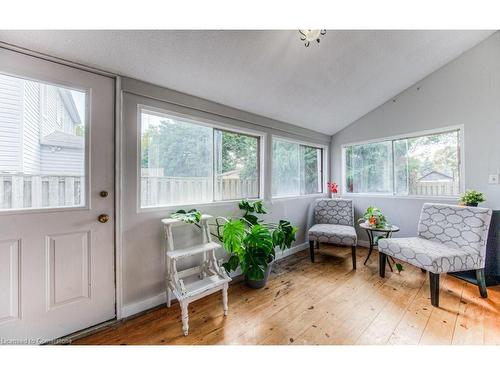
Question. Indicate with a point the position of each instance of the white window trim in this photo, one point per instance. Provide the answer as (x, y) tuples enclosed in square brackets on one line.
[(261, 136), (324, 171), (459, 127)]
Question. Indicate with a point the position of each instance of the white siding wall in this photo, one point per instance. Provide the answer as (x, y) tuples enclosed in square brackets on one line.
[(49, 117), (67, 161), (10, 123), (31, 132)]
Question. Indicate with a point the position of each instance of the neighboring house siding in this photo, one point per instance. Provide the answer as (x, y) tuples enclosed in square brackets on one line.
[(32, 112), (11, 92), (31, 136), (65, 161), (50, 110)]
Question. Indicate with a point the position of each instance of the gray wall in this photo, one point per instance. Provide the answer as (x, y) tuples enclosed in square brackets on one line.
[(142, 232), (465, 91)]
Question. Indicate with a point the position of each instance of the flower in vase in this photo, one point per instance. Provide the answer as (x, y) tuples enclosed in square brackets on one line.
[(333, 186)]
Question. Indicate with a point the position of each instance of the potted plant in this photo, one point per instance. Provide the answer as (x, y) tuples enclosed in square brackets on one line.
[(250, 242), (472, 198), (374, 218)]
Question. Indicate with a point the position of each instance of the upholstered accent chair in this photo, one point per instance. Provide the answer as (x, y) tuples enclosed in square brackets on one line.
[(333, 223), (450, 239)]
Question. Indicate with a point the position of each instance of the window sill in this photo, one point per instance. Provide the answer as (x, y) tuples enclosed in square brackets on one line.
[(319, 195), (390, 196), (175, 207)]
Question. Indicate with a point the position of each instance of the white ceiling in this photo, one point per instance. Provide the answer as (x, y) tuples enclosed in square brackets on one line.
[(324, 87)]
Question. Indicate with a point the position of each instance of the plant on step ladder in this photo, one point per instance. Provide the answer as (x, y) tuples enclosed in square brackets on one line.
[(251, 242)]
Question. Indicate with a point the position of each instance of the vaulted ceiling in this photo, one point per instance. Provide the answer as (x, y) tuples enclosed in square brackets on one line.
[(324, 87)]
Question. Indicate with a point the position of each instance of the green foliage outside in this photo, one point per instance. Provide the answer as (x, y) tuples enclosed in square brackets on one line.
[(186, 150), (295, 168), (369, 166)]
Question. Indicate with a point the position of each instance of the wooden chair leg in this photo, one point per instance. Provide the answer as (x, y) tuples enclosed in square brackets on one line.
[(353, 253), (434, 280), (382, 260), (481, 283), (311, 250)]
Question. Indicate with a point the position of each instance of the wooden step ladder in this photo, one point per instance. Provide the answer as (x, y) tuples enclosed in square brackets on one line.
[(196, 282)]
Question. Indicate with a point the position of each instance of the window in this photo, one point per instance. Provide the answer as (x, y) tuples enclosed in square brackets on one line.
[(41, 165), (296, 169), (184, 161), (427, 165)]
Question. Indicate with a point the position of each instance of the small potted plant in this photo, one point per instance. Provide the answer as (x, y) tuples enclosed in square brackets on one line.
[(472, 198), (374, 218)]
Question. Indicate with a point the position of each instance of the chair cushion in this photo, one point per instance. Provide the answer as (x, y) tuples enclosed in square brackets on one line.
[(460, 227), (432, 256), (334, 211), (333, 233)]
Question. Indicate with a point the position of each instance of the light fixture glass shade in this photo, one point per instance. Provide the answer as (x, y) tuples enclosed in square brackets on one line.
[(308, 36)]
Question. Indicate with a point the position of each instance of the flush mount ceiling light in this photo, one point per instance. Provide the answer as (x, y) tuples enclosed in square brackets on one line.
[(308, 36)]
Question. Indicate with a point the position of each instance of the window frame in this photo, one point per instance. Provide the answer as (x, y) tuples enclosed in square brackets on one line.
[(392, 139), (215, 125), (324, 167)]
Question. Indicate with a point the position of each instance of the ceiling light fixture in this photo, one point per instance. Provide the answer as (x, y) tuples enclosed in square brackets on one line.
[(308, 36)]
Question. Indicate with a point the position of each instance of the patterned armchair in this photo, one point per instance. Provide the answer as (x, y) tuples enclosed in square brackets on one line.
[(450, 239), (334, 223)]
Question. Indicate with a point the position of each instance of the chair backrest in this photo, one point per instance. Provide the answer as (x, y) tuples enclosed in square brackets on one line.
[(455, 226), (334, 211)]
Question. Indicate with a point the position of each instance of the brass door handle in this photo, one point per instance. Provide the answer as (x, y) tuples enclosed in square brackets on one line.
[(103, 218)]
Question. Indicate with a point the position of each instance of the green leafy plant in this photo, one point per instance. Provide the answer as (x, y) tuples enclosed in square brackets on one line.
[(472, 198), (252, 248), (251, 208), (191, 216), (250, 242), (374, 217)]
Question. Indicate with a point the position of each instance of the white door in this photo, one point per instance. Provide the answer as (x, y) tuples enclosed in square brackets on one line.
[(56, 157)]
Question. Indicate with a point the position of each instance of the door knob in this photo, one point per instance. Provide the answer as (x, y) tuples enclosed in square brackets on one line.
[(103, 193), (103, 218)]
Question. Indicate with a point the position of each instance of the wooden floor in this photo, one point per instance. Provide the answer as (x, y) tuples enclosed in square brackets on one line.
[(325, 303)]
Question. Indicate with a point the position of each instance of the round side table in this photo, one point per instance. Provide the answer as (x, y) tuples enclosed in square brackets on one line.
[(374, 234)]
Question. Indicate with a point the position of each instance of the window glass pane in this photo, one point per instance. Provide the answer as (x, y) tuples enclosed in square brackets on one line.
[(369, 168), (176, 161), (236, 166), (42, 145), (285, 168), (428, 165), (401, 164), (311, 178), (297, 169)]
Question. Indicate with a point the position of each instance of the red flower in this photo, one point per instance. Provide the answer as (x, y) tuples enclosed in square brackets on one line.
[(333, 187)]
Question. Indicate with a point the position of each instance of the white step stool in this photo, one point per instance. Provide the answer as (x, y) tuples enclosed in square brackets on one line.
[(197, 282)]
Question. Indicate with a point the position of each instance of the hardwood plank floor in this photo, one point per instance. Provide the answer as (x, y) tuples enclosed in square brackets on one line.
[(324, 303)]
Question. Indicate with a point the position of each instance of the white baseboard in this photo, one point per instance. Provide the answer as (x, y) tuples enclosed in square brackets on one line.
[(148, 303)]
